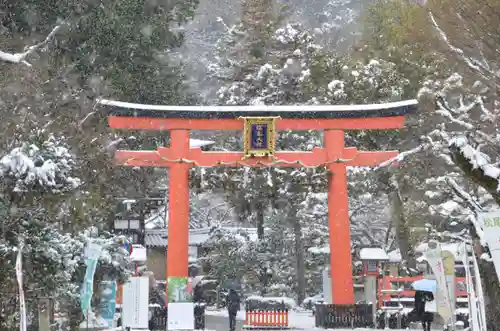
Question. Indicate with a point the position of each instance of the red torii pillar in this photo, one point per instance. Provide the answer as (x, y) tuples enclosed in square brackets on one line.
[(179, 157)]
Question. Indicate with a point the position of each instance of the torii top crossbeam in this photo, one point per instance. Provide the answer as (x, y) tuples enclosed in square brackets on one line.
[(126, 115)]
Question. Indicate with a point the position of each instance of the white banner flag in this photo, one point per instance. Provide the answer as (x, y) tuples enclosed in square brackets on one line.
[(490, 222), (443, 301), (19, 276), (449, 272)]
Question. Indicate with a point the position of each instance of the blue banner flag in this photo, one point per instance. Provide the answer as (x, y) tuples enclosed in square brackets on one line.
[(92, 253), (107, 303)]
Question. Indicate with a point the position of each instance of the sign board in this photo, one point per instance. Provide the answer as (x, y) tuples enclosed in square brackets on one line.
[(19, 274), (259, 135), (480, 302), (180, 316), (135, 305), (490, 222), (371, 267), (327, 285), (139, 253)]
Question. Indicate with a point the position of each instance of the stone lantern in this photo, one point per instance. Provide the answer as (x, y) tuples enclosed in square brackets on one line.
[(372, 258)]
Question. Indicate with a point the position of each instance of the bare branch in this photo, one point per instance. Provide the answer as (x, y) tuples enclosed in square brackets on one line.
[(21, 57), (473, 64), (466, 197)]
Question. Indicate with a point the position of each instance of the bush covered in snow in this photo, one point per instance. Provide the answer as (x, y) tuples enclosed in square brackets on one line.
[(268, 302), (46, 167)]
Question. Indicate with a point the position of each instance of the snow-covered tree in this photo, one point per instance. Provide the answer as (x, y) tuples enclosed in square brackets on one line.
[(296, 70), (78, 52), (267, 266), (467, 137), (36, 179)]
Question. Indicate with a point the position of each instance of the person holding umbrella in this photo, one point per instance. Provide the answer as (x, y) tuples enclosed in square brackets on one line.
[(233, 306), (424, 296)]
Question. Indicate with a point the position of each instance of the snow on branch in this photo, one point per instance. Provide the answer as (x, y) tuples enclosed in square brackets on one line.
[(21, 57), (428, 143), (47, 167), (445, 111), (476, 165), (461, 193), (471, 63)]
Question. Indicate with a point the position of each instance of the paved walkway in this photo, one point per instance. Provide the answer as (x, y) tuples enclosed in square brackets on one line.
[(220, 323)]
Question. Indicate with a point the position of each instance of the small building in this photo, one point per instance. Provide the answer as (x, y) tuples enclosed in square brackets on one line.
[(156, 241), (394, 262)]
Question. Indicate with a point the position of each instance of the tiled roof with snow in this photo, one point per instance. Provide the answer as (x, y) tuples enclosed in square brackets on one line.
[(395, 256), (159, 237), (373, 253)]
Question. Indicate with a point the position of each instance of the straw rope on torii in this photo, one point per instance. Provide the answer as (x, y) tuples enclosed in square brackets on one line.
[(214, 159)]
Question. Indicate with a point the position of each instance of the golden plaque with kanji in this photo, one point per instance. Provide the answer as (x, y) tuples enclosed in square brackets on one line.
[(259, 136)]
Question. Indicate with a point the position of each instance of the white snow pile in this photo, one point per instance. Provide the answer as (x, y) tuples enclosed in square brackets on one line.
[(291, 33), (93, 321), (47, 167), (319, 250), (112, 251), (288, 302), (373, 253)]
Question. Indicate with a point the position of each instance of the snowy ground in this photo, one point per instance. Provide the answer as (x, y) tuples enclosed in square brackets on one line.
[(298, 320)]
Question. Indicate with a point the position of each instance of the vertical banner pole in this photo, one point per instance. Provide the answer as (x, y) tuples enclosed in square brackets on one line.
[(19, 276)]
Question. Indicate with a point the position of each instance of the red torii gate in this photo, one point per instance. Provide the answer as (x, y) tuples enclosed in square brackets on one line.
[(179, 157)]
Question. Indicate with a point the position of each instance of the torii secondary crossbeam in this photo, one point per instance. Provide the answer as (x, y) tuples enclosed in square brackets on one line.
[(258, 124)]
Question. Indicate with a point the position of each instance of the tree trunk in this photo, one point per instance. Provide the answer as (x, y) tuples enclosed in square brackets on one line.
[(491, 286), (399, 221), (492, 291), (299, 256), (489, 278), (242, 207), (260, 220)]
